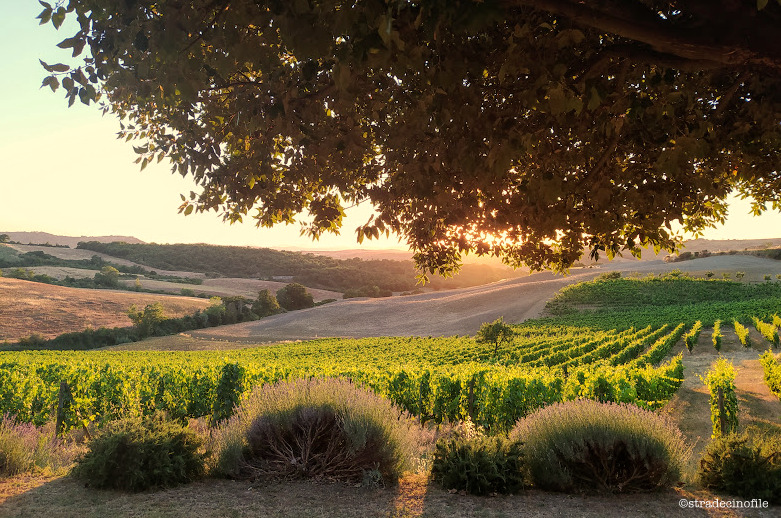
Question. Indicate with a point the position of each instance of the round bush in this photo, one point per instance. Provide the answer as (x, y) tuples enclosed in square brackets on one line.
[(588, 446), (137, 454), (315, 428), (479, 466), (746, 465)]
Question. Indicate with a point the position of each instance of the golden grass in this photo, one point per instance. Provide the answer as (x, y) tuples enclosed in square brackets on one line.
[(30, 307)]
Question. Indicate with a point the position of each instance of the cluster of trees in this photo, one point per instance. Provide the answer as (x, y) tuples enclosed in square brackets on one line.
[(292, 297), (107, 277), (367, 291), (149, 321)]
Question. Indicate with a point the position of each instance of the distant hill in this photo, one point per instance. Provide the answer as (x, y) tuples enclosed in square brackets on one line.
[(389, 254), (40, 238), (315, 271), (725, 245), (694, 245)]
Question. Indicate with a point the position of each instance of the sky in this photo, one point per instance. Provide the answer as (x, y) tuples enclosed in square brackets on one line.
[(63, 171)]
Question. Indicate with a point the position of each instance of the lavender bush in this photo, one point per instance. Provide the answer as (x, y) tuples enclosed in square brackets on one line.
[(588, 446), (316, 428), (25, 447)]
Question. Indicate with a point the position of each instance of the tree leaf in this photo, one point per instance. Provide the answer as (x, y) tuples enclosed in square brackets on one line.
[(52, 82), (594, 100), (58, 17), (45, 15), (68, 42)]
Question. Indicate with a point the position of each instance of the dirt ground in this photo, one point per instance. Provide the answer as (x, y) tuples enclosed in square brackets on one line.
[(413, 497), (31, 307)]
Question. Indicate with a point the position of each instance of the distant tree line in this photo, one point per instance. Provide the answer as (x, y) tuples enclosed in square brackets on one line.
[(310, 270), (769, 253), (367, 291), (342, 275), (107, 277)]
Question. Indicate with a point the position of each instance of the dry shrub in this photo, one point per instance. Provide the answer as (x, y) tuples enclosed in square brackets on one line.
[(318, 428), (588, 446), (25, 448)]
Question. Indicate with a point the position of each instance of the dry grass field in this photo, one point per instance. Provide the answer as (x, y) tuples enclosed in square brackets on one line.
[(30, 307)]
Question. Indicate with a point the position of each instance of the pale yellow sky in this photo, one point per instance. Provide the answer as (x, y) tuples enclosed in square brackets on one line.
[(62, 170)]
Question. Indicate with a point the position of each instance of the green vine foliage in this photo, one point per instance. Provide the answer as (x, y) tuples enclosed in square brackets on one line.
[(692, 336), (767, 330), (772, 371), (722, 376), (716, 337), (742, 332), (228, 391)]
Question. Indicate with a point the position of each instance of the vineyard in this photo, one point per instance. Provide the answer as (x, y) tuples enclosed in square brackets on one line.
[(575, 354)]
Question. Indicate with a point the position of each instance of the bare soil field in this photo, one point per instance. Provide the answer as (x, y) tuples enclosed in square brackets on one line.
[(460, 312), (31, 307), (445, 313)]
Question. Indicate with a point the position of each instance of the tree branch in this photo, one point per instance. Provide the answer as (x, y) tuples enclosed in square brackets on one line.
[(662, 36)]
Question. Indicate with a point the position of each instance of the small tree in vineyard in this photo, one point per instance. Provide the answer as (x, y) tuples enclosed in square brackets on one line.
[(494, 333)]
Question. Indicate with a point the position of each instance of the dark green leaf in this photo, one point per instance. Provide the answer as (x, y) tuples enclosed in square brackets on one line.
[(58, 17), (45, 15)]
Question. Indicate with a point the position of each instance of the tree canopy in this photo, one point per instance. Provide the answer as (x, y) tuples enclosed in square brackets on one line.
[(528, 129)]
